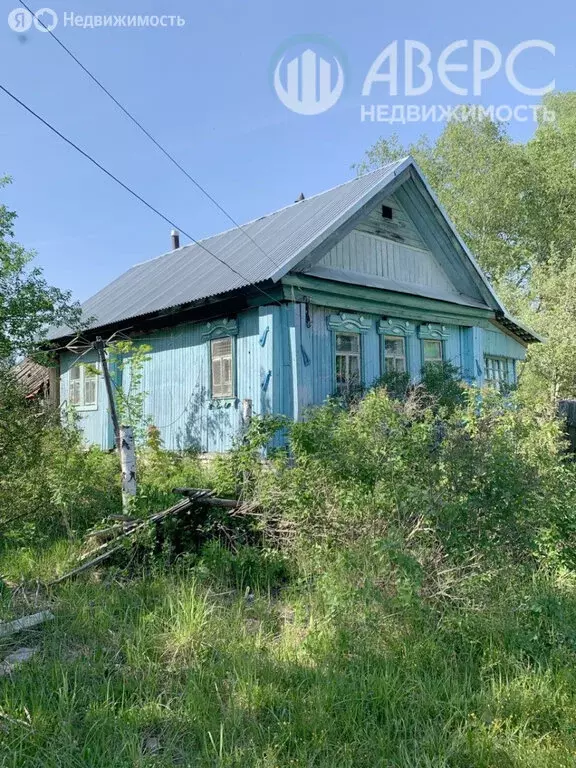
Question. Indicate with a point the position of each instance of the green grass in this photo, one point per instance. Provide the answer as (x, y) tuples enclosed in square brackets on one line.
[(181, 668)]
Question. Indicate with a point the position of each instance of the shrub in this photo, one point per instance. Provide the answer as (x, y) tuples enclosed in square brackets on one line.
[(49, 483), (485, 475)]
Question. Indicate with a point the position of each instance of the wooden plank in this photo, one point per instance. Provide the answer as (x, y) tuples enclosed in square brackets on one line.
[(87, 565), (379, 301), (26, 622), (323, 244)]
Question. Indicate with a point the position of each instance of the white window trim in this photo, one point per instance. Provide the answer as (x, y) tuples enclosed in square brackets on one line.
[(403, 357), (503, 364), (81, 406), (347, 355), (232, 396)]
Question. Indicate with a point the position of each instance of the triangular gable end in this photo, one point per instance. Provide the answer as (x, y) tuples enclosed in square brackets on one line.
[(417, 251)]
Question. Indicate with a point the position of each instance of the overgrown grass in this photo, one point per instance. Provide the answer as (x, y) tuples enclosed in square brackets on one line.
[(412, 602), (179, 668)]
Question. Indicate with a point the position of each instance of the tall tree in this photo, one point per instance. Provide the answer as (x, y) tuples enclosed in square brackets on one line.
[(28, 304), (513, 203), (515, 206)]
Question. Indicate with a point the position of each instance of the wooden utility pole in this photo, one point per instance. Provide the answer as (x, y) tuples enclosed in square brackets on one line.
[(100, 347)]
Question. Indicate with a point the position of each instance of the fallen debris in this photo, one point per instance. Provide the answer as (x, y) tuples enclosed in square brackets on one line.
[(25, 622), (211, 500), (123, 518), (129, 529), (85, 566), (14, 660)]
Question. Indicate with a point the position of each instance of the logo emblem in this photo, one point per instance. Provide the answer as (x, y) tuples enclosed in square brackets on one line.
[(309, 83), (45, 19), (20, 20)]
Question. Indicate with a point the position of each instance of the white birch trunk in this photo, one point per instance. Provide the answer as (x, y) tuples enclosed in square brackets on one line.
[(128, 466), (246, 412)]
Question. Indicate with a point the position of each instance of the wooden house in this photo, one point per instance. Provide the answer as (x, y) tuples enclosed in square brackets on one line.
[(320, 296)]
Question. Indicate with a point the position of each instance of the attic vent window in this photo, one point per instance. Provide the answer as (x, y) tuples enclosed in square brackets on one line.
[(386, 212)]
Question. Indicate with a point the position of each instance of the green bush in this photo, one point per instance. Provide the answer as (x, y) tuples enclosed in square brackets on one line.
[(49, 483), (482, 476)]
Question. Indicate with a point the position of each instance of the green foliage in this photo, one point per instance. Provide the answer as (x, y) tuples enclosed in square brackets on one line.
[(420, 609), (129, 358), (396, 383), (28, 305), (549, 305), (476, 473), (515, 206), (245, 568), (442, 386), (236, 471), (48, 482)]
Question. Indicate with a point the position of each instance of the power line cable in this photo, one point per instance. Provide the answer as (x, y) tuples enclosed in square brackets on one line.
[(155, 141), (135, 194)]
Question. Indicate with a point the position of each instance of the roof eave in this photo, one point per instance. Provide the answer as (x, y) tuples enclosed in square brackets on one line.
[(520, 330), (215, 303)]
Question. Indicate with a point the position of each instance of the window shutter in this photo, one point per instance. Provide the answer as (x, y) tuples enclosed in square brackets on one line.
[(89, 389), (74, 388), (222, 368)]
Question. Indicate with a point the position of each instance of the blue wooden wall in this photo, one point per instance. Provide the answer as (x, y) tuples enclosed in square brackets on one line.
[(176, 380), (95, 423), (284, 364)]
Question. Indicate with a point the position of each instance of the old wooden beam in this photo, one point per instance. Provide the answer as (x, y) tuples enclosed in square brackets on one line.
[(212, 501), (25, 622)]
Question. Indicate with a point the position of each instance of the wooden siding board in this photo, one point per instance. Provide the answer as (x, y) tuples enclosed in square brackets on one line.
[(361, 253), (177, 380), (500, 344), (438, 241), (377, 301), (399, 228)]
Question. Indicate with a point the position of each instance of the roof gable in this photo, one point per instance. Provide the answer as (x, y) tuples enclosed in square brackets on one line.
[(293, 238)]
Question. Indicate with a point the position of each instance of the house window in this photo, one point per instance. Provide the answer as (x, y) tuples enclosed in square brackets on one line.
[(347, 362), (222, 367), (83, 387), (432, 351), (395, 354), (495, 371)]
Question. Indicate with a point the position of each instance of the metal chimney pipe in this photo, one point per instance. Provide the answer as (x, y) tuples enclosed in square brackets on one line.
[(175, 235)]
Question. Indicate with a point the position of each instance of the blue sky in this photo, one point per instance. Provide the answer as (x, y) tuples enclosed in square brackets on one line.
[(204, 91)]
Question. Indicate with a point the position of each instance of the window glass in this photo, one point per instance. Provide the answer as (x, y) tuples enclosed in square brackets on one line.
[(74, 393), (495, 371), (89, 389), (433, 351), (395, 354), (348, 366), (83, 386)]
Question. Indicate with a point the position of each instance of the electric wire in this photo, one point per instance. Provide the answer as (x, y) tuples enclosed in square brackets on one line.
[(155, 141), (135, 194)]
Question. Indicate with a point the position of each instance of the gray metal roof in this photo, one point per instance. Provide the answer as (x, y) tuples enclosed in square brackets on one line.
[(190, 273)]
